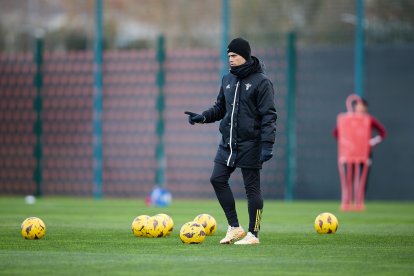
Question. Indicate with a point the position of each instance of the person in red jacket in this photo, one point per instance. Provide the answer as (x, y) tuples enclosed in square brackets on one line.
[(361, 107)]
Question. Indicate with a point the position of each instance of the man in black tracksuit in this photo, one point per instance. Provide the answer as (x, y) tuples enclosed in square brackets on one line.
[(245, 105)]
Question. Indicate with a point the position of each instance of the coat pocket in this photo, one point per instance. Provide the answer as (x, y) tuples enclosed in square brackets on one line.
[(225, 142), (224, 127), (251, 129)]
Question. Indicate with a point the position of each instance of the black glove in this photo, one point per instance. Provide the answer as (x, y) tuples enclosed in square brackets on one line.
[(267, 152), (195, 118)]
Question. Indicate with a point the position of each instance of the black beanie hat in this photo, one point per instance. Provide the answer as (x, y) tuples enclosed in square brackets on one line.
[(240, 46)]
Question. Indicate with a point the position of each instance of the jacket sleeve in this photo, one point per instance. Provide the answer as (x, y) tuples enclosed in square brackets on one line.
[(375, 124), (267, 111), (335, 133), (218, 110)]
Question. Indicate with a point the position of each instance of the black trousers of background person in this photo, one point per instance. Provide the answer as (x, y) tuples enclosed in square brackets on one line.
[(251, 178)]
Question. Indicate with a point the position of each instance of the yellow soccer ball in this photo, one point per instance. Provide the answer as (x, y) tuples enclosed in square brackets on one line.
[(192, 233), (33, 228), (208, 222), (169, 227), (156, 227), (139, 226), (326, 223)]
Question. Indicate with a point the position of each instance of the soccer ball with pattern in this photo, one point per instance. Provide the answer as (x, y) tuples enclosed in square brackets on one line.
[(139, 225), (169, 224), (156, 227), (326, 223), (208, 222), (33, 228), (192, 233)]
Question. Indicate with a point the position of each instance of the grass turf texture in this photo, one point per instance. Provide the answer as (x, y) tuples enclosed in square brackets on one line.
[(88, 237)]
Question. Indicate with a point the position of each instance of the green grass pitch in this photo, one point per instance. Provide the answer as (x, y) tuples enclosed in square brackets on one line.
[(89, 237)]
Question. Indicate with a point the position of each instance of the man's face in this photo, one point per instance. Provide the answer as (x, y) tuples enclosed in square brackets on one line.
[(360, 108), (235, 59)]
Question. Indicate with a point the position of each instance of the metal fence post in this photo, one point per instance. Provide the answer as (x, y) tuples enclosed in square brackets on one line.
[(97, 102), (225, 26), (160, 150), (359, 48), (291, 116), (38, 125)]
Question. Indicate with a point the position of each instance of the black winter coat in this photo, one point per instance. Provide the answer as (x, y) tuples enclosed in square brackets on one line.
[(246, 108)]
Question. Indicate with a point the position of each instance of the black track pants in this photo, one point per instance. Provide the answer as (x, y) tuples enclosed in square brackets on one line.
[(251, 177)]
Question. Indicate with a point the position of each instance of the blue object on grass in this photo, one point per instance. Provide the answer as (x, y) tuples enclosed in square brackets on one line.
[(160, 197)]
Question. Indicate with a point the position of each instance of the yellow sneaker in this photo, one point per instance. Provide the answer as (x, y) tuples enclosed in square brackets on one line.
[(248, 239), (233, 233)]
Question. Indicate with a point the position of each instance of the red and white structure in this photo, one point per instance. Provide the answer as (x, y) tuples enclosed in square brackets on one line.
[(354, 133)]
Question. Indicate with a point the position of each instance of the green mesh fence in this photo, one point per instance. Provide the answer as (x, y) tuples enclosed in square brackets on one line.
[(129, 122)]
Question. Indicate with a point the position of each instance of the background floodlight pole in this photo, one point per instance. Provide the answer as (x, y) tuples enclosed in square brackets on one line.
[(97, 102), (359, 48)]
